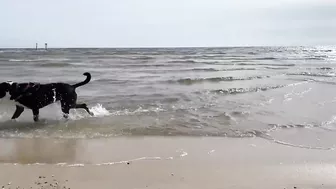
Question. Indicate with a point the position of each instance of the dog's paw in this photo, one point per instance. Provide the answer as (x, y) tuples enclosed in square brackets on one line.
[(13, 120)]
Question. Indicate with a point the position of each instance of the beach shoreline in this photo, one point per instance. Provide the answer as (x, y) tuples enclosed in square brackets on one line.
[(163, 162)]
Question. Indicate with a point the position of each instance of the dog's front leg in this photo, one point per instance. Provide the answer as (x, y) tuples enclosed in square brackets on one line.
[(18, 112), (36, 114)]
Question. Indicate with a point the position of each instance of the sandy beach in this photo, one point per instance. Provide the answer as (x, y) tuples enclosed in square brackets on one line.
[(162, 163)]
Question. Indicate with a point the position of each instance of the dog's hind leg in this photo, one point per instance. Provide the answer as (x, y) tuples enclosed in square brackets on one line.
[(65, 111), (83, 106), (65, 108), (36, 114), (18, 112)]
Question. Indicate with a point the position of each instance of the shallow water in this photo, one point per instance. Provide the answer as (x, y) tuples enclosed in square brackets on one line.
[(233, 92)]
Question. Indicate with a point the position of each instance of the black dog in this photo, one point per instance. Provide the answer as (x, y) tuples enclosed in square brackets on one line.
[(35, 96)]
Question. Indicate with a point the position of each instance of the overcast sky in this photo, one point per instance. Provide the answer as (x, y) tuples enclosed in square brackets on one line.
[(167, 23)]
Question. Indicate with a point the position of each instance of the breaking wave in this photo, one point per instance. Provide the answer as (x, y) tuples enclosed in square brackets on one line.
[(262, 64), (190, 81), (217, 70), (232, 91), (312, 74), (55, 65)]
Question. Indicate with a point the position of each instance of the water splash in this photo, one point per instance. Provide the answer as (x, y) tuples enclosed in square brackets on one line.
[(97, 110)]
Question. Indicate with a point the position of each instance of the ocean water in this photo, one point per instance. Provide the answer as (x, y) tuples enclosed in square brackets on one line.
[(224, 92)]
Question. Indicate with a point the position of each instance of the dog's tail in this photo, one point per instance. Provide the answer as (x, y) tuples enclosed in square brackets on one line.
[(87, 80)]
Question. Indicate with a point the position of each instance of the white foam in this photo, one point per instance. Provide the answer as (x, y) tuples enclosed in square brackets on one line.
[(329, 124), (127, 161), (76, 165), (38, 60), (20, 60), (182, 153), (63, 164), (137, 111), (268, 137), (212, 151)]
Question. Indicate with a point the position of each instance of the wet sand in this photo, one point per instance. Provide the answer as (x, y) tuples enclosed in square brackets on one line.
[(163, 162)]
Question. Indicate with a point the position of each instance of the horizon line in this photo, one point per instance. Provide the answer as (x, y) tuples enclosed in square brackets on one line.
[(162, 47)]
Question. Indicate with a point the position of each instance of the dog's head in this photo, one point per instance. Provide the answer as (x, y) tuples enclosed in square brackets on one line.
[(4, 88)]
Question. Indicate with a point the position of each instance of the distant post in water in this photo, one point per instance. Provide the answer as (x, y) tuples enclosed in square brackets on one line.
[(46, 46), (36, 46)]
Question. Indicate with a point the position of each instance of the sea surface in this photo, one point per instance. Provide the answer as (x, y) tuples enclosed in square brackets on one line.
[(278, 93)]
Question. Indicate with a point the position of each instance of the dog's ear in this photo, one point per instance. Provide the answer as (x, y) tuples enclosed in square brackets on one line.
[(4, 88)]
